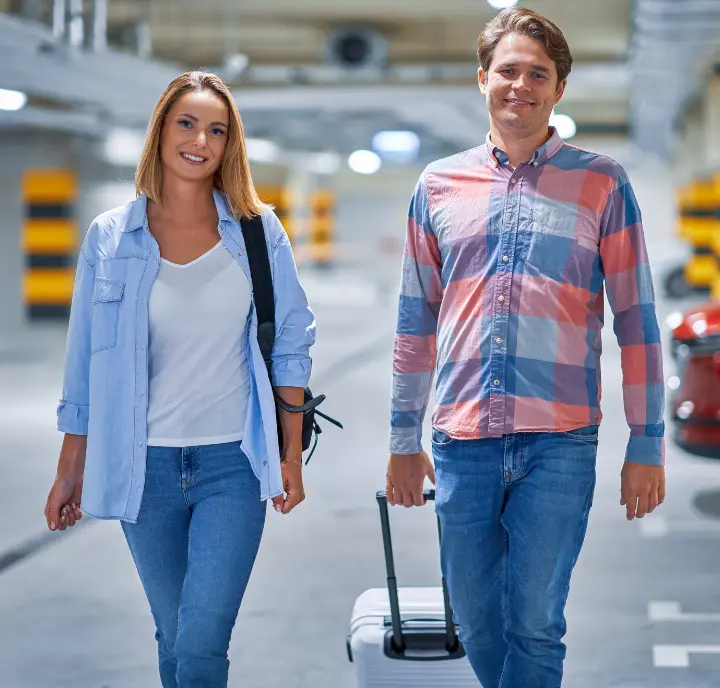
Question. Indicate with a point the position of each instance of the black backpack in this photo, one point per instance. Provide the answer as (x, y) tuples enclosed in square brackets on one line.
[(254, 235)]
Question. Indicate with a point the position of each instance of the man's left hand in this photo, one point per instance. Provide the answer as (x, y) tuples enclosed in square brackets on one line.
[(642, 489)]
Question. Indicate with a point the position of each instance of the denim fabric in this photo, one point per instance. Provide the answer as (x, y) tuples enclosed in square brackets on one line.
[(514, 512), (105, 384), (194, 546)]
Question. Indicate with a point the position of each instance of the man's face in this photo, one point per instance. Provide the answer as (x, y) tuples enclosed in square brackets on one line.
[(521, 85)]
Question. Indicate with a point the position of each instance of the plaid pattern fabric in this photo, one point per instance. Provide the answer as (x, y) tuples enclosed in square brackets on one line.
[(502, 295)]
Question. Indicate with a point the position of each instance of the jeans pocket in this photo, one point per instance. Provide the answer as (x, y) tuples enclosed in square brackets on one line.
[(589, 433), (441, 439), (107, 296)]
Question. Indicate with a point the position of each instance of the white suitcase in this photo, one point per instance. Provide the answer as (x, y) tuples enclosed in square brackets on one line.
[(406, 637)]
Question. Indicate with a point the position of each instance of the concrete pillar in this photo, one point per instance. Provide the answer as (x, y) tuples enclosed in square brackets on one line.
[(712, 122)]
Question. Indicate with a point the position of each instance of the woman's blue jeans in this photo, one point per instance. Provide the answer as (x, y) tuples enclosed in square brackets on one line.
[(514, 512), (194, 546)]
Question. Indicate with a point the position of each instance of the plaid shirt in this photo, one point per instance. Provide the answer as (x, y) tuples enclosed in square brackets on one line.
[(503, 294)]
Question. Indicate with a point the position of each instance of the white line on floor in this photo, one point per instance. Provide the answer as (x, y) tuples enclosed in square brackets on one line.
[(672, 611), (657, 526), (678, 656)]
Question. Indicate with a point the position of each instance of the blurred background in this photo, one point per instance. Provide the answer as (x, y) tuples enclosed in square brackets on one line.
[(344, 102)]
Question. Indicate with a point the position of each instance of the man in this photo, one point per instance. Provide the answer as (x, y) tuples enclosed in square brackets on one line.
[(509, 248)]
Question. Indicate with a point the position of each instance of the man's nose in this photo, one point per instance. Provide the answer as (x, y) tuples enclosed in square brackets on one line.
[(520, 82)]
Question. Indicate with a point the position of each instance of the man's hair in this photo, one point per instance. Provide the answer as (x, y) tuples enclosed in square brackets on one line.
[(528, 23)]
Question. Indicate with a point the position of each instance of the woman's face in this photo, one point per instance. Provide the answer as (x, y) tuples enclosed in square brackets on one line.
[(194, 135)]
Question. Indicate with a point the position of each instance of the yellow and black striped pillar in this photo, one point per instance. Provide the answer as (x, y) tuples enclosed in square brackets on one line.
[(49, 242), (697, 222), (281, 198), (715, 288), (321, 226)]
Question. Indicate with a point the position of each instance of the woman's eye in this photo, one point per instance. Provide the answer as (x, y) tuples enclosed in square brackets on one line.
[(217, 132), (183, 122)]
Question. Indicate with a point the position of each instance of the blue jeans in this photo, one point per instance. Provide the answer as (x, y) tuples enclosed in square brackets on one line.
[(194, 546), (513, 512)]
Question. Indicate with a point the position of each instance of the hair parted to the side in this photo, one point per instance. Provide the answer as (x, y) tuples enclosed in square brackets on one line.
[(528, 23), (233, 177)]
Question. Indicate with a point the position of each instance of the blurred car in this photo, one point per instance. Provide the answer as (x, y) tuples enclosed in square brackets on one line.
[(695, 386)]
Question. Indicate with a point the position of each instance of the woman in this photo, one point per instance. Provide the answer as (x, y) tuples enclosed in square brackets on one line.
[(167, 410)]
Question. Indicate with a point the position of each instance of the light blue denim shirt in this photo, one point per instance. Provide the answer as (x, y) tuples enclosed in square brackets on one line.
[(105, 383)]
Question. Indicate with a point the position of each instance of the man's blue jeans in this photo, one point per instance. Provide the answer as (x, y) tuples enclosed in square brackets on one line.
[(514, 512), (194, 546)]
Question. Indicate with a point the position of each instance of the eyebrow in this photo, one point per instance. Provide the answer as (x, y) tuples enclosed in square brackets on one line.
[(536, 67), (188, 115)]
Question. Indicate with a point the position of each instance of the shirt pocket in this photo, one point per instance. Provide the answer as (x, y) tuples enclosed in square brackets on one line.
[(107, 296), (547, 244), (561, 240)]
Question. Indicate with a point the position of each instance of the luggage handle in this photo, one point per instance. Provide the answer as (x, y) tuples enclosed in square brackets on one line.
[(398, 643)]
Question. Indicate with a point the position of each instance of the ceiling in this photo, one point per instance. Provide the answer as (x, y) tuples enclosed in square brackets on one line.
[(291, 90)]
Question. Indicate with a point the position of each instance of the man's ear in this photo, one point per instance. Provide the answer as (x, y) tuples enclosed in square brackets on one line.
[(560, 91), (482, 80)]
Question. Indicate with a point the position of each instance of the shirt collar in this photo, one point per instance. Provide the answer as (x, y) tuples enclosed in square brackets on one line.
[(541, 155), (138, 211)]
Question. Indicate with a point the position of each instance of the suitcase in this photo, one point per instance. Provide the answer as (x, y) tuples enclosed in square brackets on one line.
[(406, 637)]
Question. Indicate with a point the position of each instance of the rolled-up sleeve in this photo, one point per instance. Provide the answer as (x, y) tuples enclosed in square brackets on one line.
[(294, 321), (73, 411)]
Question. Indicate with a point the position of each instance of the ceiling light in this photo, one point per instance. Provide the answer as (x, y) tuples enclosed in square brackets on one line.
[(564, 124), (12, 100), (502, 4), (364, 162), (123, 147), (402, 146), (324, 163), (261, 150)]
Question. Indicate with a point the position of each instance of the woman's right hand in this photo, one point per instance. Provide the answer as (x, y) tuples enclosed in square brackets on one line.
[(62, 509)]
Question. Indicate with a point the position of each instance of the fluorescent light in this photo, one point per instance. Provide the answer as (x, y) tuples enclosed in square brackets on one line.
[(401, 146), (364, 162), (123, 147), (502, 4), (261, 150), (12, 100), (324, 163), (564, 124)]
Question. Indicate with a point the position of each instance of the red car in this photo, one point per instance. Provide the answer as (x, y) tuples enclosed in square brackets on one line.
[(695, 389)]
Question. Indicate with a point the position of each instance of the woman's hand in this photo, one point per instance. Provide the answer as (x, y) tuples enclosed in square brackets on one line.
[(62, 509), (292, 484)]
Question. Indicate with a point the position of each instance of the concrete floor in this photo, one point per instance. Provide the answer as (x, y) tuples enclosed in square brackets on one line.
[(73, 614)]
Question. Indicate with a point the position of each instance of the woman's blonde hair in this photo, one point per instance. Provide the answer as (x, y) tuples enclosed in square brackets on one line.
[(232, 177)]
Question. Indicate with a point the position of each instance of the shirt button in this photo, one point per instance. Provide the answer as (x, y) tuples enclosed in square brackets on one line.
[(140, 444), (505, 259), (499, 340), (239, 253), (535, 164), (140, 394), (496, 382), (141, 347), (513, 180), (264, 463), (501, 298)]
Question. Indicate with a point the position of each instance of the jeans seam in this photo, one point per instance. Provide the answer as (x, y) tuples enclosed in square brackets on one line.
[(504, 612)]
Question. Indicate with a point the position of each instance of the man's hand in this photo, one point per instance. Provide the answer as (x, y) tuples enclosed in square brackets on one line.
[(405, 476), (642, 489)]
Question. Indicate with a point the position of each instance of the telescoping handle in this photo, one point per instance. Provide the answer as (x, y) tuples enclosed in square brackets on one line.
[(451, 640)]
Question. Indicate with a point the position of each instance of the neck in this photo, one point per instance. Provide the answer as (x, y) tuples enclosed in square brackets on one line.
[(518, 149), (189, 202)]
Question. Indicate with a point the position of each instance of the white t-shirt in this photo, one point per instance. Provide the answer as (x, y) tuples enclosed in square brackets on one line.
[(198, 371)]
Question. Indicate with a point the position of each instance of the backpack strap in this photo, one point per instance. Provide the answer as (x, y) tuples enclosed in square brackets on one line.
[(262, 285)]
